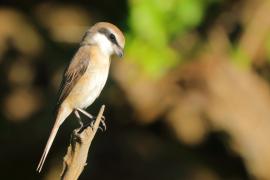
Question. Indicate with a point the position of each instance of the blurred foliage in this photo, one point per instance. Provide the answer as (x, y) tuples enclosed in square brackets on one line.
[(240, 58), (154, 24)]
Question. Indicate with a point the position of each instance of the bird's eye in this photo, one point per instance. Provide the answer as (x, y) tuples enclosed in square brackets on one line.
[(112, 38)]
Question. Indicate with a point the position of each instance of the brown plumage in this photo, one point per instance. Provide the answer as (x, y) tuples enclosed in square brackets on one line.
[(73, 73)]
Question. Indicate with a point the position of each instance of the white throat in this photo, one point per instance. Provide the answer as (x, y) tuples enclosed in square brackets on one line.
[(104, 44)]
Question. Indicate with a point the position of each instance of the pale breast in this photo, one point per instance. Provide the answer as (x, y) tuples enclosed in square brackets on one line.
[(89, 86)]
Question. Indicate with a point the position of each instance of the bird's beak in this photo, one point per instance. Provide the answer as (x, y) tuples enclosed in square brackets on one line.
[(119, 52)]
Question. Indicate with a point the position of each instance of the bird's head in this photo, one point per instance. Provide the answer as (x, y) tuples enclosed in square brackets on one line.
[(107, 37)]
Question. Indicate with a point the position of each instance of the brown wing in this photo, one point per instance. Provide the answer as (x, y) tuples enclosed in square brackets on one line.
[(73, 73)]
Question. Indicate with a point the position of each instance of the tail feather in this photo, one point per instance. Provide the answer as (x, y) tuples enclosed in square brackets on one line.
[(63, 113)]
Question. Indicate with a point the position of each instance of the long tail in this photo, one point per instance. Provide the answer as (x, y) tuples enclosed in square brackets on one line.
[(62, 114)]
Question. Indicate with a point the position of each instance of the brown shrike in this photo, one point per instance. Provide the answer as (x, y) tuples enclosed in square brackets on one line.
[(86, 75)]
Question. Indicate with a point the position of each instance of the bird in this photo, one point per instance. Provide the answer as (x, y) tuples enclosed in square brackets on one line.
[(86, 75)]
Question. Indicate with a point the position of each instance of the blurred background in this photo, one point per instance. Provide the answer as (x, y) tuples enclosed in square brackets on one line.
[(190, 99)]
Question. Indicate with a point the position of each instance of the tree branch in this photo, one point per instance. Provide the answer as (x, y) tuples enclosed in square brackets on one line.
[(75, 159)]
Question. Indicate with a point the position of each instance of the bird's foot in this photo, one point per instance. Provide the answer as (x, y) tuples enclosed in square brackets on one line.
[(76, 135), (102, 127)]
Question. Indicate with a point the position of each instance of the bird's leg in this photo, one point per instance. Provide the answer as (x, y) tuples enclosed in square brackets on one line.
[(92, 118), (79, 118), (82, 127), (86, 113)]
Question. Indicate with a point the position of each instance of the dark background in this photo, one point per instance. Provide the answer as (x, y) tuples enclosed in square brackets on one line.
[(189, 100)]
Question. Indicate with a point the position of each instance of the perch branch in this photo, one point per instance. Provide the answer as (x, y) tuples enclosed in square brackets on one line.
[(75, 159)]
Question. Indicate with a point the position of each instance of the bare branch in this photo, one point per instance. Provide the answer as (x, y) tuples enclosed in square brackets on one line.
[(75, 159)]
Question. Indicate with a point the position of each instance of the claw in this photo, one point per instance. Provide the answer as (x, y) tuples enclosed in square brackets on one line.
[(103, 123), (100, 128), (92, 125), (76, 135)]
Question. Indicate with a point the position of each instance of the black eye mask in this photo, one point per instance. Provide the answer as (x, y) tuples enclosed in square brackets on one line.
[(109, 35)]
